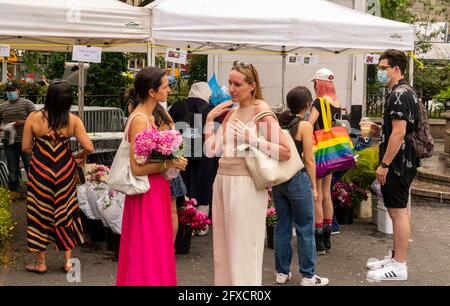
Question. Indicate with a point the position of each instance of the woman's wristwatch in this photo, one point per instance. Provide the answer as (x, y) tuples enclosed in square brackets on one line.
[(384, 165)]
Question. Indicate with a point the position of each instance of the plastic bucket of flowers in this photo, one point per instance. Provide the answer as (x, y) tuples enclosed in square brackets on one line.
[(190, 220), (271, 220), (346, 197)]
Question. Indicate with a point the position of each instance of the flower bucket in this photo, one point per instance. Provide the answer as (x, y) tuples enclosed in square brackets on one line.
[(270, 235), (96, 231), (183, 240), (344, 215)]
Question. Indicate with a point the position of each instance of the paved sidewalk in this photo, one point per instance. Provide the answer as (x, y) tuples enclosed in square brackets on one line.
[(428, 264)]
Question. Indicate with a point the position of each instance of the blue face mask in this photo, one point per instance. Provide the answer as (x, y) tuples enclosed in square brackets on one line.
[(307, 113), (12, 95), (306, 116), (383, 77)]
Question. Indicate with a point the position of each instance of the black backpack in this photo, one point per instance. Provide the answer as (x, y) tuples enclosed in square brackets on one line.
[(421, 139)]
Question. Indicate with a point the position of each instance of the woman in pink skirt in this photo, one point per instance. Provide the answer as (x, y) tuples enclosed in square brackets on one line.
[(147, 256)]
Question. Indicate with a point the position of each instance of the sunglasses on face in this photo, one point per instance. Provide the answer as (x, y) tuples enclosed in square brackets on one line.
[(383, 68)]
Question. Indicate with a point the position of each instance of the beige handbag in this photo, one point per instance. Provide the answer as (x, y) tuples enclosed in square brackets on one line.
[(267, 171)]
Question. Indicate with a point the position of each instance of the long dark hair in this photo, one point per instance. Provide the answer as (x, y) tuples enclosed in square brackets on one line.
[(130, 95), (57, 105), (146, 79), (161, 117)]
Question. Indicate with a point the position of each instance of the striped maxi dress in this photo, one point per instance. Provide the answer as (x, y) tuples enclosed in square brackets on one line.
[(53, 214)]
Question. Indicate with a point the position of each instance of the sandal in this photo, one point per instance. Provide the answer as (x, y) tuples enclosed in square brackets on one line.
[(34, 267), (67, 267)]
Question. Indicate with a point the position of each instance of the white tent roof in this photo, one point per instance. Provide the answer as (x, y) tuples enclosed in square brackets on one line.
[(45, 24), (294, 24)]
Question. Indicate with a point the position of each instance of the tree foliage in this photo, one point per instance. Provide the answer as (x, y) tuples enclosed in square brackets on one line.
[(107, 78), (417, 11), (198, 71)]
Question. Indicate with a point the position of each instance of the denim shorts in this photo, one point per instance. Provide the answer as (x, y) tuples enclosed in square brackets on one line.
[(177, 187)]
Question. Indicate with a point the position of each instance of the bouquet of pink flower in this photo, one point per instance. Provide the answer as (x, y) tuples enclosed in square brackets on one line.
[(153, 146), (96, 173), (188, 215)]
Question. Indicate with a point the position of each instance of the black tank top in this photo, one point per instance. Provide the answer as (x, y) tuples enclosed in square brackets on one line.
[(292, 126)]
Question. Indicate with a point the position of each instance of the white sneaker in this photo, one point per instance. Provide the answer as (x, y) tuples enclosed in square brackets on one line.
[(282, 278), (314, 281), (392, 271), (378, 264)]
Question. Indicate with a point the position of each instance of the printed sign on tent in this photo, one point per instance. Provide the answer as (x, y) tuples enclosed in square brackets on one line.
[(5, 50), (87, 54), (176, 56), (372, 59), (296, 59)]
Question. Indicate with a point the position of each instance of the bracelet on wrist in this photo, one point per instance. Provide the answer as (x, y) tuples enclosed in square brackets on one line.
[(163, 166)]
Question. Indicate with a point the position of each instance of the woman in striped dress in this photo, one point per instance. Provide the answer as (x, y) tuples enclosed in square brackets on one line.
[(52, 206)]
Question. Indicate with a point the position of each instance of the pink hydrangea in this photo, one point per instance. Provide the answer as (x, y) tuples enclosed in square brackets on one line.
[(169, 142), (146, 142)]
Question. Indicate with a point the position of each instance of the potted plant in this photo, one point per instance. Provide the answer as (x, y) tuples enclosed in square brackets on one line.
[(363, 176), (271, 219), (346, 197), (190, 220)]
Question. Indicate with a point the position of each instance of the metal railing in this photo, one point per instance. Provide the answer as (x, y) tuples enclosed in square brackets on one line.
[(375, 104)]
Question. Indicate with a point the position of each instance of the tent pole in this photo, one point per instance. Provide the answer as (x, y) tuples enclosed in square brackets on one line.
[(150, 55), (81, 90), (283, 76), (411, 69)]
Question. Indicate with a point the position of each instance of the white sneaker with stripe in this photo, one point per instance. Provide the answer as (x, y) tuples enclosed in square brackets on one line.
[(378, 264), (314, 281), (392, 271)]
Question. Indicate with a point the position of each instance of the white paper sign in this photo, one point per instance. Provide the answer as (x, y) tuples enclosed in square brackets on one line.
[(372, 59), (296, 59), (5, 50), (87, 54), (176, 56)]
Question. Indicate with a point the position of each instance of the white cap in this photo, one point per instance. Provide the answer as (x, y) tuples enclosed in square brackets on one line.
[(323, 74)]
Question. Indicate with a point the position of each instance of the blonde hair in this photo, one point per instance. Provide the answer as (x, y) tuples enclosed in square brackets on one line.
[(251, 75)]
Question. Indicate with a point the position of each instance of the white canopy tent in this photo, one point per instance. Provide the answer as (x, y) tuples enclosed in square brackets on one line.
[(55, 25), (281, 26)]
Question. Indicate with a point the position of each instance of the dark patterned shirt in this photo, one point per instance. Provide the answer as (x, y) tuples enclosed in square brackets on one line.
[(12, 111), (401, 104)]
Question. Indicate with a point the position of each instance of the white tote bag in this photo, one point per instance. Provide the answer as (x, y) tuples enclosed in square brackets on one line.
[(120, 177), (267, 171)]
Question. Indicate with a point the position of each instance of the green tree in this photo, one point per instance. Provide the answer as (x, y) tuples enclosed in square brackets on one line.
[(31, 61), (433, 78), (106, 79), (417, 11), (198, 70), (56, 65)]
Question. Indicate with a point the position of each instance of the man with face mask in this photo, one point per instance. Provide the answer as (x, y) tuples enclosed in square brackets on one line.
[(398, 161), (14, 112)]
